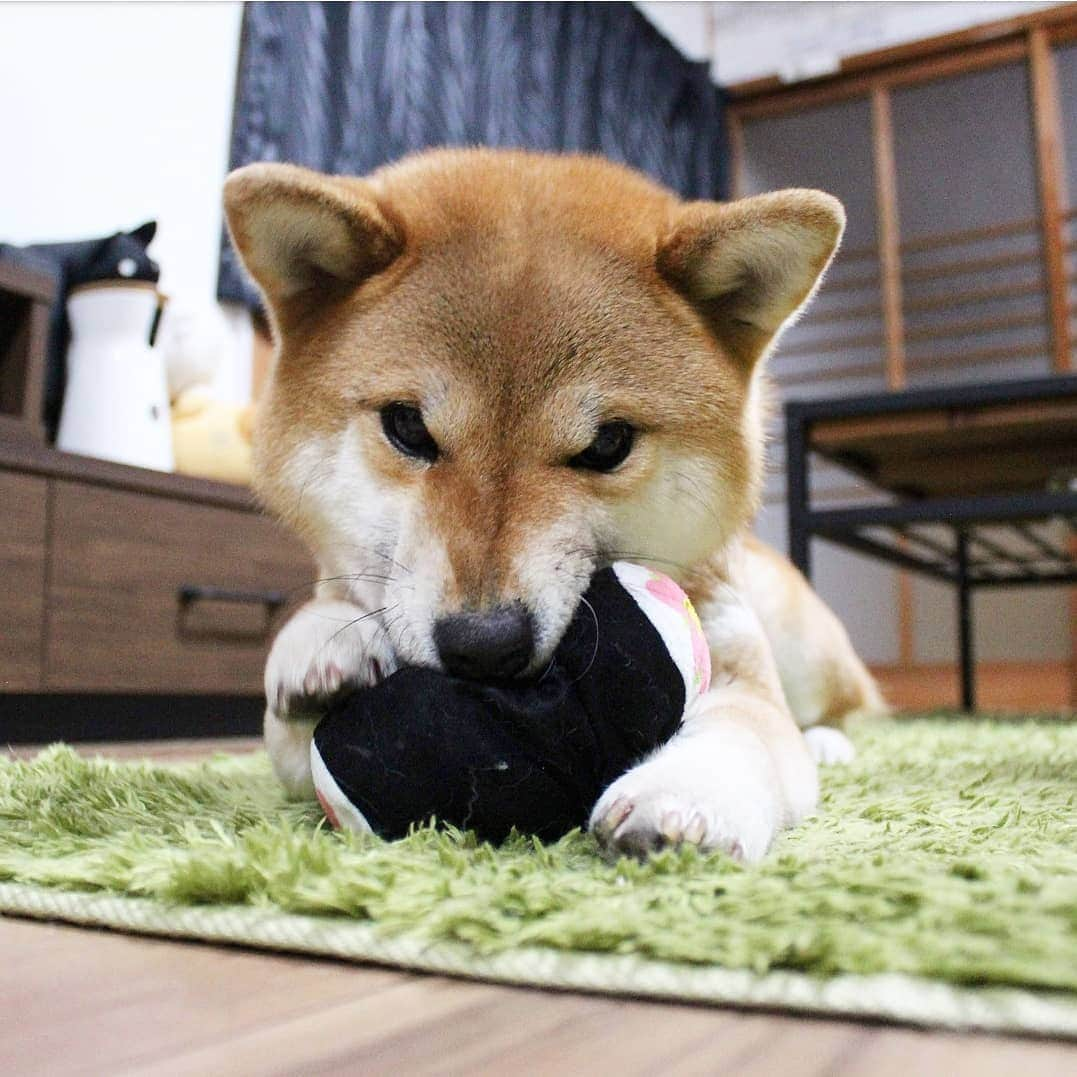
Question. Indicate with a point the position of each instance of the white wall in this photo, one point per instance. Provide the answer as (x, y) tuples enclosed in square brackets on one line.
[(798, 40), (113, 114)]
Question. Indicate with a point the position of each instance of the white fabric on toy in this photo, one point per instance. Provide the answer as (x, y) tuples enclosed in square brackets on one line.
[(339, 810)]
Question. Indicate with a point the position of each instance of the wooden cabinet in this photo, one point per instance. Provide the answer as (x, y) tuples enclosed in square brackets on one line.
[(151, 594), (22, 587), (127, 583)]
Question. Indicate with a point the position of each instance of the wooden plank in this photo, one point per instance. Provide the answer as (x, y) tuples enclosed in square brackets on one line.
[(816, 94), (978, 355), (35, 459), (963, 266), (22, 599), (972, 295), (1060, 21), (968, 297), (888, 230), (1046, 126), (969, 235), (1011, 686), (1012, 447), (974, 326), (1062, 34), (956, 469), (835, 434)]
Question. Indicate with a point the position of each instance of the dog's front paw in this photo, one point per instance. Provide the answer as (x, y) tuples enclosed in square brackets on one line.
[(326, 649), (829, 746), (712, 791)]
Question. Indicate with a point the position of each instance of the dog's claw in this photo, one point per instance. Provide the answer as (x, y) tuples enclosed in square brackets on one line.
[(619, 811), (695, 829), (325, 681), (672, 827)]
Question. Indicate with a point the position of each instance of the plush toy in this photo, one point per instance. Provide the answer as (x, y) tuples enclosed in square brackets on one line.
[(535, 755), (210, 437)]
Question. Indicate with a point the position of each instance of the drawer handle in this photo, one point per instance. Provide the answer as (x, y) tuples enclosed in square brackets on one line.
[(193, 592)]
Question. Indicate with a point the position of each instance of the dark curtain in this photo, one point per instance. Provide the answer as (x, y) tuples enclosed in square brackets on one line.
[(348, 87)]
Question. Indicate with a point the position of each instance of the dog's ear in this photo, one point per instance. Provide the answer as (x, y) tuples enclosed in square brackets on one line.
[(301, 233), (749, 266)]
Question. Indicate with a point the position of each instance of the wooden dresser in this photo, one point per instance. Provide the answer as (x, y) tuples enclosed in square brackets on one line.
[(134, 602)]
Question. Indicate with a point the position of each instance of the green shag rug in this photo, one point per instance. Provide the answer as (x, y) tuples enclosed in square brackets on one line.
[(936, 884)]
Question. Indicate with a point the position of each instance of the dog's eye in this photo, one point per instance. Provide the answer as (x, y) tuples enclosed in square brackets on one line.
[(404, 427), (611, 447)]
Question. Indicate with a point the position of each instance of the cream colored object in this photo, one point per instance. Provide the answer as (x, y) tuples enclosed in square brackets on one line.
[(211, 439), (116, 399)]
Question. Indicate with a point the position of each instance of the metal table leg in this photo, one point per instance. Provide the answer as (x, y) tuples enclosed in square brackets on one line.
[(796, 478)]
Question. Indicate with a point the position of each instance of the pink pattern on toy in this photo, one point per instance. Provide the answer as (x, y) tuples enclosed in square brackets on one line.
[(670, 594)]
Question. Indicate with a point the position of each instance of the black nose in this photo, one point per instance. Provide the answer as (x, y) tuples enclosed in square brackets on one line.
[(494, 643)]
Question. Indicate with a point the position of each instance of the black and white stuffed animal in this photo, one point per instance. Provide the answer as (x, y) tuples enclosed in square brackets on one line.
[(533, 756)]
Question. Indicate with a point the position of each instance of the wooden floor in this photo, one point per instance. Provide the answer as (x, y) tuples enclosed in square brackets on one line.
[(74, 1000)]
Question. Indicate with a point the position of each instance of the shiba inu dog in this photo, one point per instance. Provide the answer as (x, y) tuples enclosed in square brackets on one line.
[(497, 371)]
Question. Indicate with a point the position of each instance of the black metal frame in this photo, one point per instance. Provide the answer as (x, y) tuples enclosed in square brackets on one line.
[(889, 532)]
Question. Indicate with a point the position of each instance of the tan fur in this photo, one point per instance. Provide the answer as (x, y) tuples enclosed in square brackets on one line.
[(520, 300)]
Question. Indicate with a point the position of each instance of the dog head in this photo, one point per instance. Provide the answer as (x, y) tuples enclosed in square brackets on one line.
[(496, 371)]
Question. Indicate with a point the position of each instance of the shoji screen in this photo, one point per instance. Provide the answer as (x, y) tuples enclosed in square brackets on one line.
[(972, 267), (837, 346), (960, 146)]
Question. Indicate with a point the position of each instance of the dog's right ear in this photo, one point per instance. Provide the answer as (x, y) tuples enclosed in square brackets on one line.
[(301, 233)]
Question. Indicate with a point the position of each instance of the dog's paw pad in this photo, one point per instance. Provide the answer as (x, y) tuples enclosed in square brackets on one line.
[(829, 746)]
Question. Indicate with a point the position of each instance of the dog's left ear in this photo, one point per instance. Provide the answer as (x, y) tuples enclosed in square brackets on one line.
[(749, 266)]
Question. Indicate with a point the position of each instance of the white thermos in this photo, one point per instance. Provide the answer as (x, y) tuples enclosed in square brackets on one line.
[(116, 403)]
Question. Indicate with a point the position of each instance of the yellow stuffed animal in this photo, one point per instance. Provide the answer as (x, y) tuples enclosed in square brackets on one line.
[(211, 437)]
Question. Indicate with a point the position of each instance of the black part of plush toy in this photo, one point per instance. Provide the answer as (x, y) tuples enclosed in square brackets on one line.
[(534, 756), (122, 256)]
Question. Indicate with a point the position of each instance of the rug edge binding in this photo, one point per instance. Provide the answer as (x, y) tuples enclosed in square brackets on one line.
[(895, 997)]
